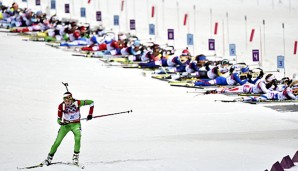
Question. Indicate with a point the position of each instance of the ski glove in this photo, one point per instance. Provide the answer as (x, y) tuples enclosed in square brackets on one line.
[(60, 122), (249, 76), (231, 70), (89, 117)]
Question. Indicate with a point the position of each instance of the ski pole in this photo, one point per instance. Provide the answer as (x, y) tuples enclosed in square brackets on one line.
[(117, 113)]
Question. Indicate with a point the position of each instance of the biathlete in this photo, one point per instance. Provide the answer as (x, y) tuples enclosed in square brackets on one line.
[(69, 117)]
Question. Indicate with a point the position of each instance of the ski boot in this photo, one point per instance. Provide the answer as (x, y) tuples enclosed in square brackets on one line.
[(75, 158), (48, 160)]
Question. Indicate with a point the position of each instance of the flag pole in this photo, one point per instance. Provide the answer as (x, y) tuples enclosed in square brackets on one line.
[(284, 44), (178, 22), (261, 49), (211, 22), (195, 29), (245, 20)]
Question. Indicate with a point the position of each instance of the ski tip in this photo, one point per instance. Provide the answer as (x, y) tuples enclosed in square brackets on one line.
[(30, 167)]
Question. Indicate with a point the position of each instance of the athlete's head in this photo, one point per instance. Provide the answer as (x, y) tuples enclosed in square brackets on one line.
[(225, 62), (156, 49), (76, 34), (245, 69), (295, 90), (82, 29), (54, 18), (294, 83), (270, 78), (294, 86), (15, 6), (286, 81), (73, 24), (185, 52), (136, 43), (122, 36), (101, 27), (201, 60), (185, 56), (39, 13), (67, 98)]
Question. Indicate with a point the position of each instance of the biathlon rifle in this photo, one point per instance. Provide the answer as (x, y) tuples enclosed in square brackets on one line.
[(65, 84)]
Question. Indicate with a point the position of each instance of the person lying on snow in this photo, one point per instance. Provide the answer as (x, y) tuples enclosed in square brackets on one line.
[(202, 68), (173, 63), (238, 77), (270, 83), (151, 57), (78, 38), (108, 45), (289, 93), (177, 63)]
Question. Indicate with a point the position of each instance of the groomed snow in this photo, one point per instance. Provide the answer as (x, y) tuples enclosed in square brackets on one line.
[(169, 129)]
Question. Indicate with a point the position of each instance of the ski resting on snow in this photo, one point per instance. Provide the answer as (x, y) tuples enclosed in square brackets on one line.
[(54, 163), (258, 102)]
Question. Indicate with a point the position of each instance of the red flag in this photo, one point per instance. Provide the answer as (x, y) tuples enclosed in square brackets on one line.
[(215, 28), (152, 12), (295, 48), (252, 35), (89, 1), (185, 19), (122, 5)]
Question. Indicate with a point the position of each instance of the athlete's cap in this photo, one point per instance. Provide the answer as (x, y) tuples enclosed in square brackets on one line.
[(38, 13), (225, 61), (67, 95), (137, 43), (185, 52), (82, 28), (200, 58), (122, 37), (270, 78), (13, 4), (245, 69)]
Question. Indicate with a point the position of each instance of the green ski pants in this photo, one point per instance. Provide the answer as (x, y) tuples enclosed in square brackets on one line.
[(75, 128)]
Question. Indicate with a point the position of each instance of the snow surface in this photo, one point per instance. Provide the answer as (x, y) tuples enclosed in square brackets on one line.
[(169, 129)]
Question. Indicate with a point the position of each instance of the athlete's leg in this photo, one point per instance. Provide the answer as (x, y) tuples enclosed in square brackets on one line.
[(61, 134), (76, 129)]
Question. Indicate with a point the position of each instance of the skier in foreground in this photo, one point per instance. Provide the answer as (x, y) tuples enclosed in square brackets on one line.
[(69, 118)]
